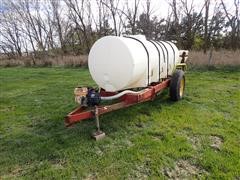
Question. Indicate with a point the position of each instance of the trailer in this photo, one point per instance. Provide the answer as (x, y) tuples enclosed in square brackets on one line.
[(128, 70), (176, 84)]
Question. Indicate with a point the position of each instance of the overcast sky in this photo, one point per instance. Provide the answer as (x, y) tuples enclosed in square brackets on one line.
[(161, 7)]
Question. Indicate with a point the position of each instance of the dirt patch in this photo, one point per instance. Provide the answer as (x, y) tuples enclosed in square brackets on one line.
[(58, 164), (216, 142), (98, 151), (142, 171), (91, 177), (183, 169), (7, 109), (139, 124), (17, 172), (195, 142), (129, 143), (157, 135)]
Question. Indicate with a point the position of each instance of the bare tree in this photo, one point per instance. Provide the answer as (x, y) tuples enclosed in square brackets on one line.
[(50, 34), (16, 29), (11, 34), (34, 25), (58, 22), (176, 19), (191, 23), (207, 4), (113, 6), (234, 23), (26, 28), (77, 15), (132, 15), (215, 25), (101, 19), (144, 22)]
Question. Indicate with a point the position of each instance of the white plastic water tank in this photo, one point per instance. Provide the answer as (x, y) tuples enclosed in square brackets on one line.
[(118, 63)]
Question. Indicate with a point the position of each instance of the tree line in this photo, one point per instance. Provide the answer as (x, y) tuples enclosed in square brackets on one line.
[(42, 28)]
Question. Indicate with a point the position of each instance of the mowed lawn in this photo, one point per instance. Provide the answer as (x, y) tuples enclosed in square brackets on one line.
[(196, 137)]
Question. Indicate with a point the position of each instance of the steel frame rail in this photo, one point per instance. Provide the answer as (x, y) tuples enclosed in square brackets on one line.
[(82, 113)]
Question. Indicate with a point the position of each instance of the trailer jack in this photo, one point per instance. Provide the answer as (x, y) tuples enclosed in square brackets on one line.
[(98, 134)]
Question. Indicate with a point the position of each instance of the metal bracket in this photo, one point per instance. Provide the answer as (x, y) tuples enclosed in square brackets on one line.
[(182, 66)]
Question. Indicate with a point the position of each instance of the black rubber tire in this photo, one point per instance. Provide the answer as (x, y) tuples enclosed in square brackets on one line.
[(175, 85)]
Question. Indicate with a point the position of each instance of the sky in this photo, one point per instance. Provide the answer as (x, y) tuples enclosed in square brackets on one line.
[(159, 7)]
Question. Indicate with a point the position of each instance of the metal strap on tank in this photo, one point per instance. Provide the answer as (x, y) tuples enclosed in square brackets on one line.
[(167, 55), (159, 58), (164, 58), (145, 50), (173, 51)]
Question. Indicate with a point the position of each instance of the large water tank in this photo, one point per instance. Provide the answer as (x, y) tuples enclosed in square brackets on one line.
[(118, 63)]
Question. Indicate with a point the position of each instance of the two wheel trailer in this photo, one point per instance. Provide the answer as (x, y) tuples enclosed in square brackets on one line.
[(90, 100)]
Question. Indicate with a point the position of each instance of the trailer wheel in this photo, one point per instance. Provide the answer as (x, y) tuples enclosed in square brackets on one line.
[(177, 85)]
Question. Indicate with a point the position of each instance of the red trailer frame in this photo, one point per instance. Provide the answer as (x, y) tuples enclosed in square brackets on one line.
[(82, 113)]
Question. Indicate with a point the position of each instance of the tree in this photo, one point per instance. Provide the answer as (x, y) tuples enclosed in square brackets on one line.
[(131, 14), (11, 40), (234, 24), (116, 15), (77, 16), (57, 21), (101, 21), (191, 24), (206, 40)]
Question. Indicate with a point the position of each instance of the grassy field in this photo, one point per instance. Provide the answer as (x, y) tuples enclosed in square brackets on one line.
[(196, 137)]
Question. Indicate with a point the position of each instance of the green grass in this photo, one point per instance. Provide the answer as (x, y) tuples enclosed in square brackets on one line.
[(143, 141)]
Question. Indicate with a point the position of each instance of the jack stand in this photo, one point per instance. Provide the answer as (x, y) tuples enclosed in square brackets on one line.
[(98, 134)]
